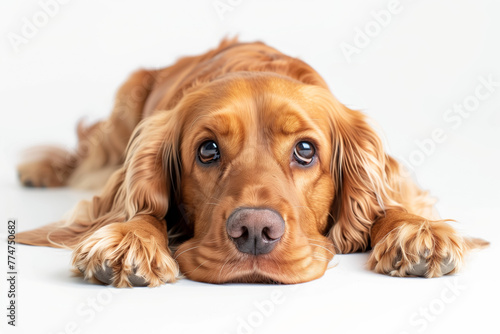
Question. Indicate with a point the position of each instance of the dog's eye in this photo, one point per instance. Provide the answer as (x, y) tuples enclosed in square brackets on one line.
[(304, 152), (208, 152)]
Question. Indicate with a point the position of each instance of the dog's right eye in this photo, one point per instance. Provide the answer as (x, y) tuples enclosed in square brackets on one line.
[(208, 152)]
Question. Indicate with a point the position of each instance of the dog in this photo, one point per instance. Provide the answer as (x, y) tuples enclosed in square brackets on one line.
[(238, 165)]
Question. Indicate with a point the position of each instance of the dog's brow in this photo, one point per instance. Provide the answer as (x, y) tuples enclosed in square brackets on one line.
[(223, 123), (290, 123)]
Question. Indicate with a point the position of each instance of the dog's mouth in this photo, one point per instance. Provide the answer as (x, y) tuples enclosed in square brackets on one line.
[(253, 269), (210, 263), (255, 276)]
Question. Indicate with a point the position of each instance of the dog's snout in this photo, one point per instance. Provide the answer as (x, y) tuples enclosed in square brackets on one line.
[(255, 231)]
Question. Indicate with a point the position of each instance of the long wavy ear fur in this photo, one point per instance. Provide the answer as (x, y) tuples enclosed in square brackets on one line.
[(141, 186), (359, 172)]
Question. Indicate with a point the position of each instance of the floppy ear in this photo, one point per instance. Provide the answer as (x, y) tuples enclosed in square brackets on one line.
[(359, 171), (141, 186)]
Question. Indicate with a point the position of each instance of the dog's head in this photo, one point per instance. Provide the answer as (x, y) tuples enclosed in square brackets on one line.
[(274, 177)]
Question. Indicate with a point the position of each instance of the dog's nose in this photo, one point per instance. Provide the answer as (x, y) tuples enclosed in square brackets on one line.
[(255, 231)]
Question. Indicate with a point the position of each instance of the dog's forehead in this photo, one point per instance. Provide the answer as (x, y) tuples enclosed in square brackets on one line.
[(266, 103)]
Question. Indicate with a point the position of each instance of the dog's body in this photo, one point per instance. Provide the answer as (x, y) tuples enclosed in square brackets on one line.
[(260, 170)]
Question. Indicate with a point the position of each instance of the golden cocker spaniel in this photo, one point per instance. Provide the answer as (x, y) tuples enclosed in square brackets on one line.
[(238, 165)]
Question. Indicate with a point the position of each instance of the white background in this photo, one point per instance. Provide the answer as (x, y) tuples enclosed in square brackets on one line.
[(428, 58)]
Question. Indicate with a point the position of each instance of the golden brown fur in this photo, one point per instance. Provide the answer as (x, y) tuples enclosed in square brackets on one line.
[(257, 103)]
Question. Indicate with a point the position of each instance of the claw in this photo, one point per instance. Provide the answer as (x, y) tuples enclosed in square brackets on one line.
[(420, 268), (105, 275)]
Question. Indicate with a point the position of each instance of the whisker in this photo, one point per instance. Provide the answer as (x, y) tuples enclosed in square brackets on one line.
[(323, 248), (232, 270), (276, 263), (323, 241), (318, 254), (208, 242), (192, 271), (220, 271), (320, 257), (217, 200), (331, 265), (175, 258)]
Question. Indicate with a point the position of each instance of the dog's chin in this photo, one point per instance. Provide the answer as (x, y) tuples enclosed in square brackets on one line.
[(255, 270), (245, 270), (253, 276), (256, 278), (261, 276)]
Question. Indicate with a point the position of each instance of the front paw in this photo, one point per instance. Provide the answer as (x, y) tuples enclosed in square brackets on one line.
[(427, 249), (124, 257)]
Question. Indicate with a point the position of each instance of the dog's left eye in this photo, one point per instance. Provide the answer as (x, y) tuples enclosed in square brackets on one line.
[(304, 152), (208, 152)]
